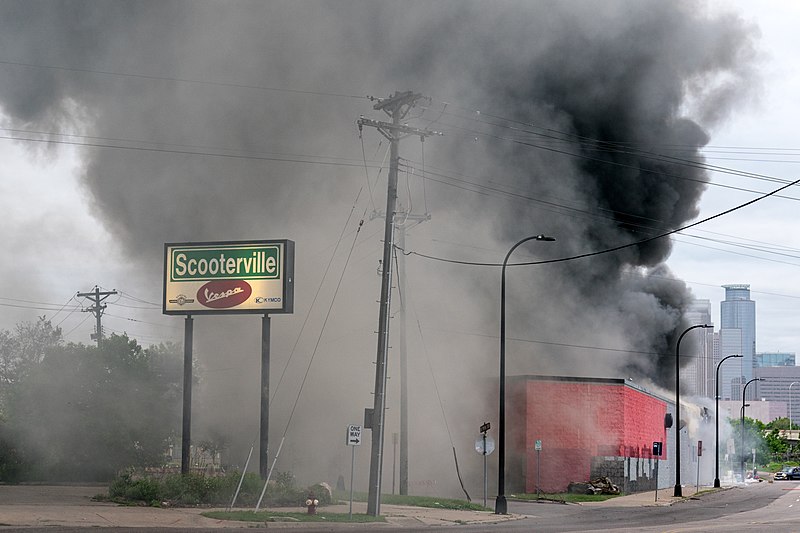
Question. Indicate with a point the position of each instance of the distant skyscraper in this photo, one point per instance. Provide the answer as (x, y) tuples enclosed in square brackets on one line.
[(737, 335), (766, 359), (698, 373)]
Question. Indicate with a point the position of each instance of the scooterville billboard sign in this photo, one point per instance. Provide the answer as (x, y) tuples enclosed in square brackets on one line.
[(229, 277)]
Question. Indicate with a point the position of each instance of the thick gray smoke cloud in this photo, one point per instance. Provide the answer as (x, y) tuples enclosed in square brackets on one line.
[(568, 76)]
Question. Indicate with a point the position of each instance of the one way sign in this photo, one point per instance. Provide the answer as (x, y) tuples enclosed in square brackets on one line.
[(353, 435)]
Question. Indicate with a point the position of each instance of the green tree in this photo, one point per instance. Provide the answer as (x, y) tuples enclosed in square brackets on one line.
[(21, 351), (753, 438), (778, 446), (83, 414)]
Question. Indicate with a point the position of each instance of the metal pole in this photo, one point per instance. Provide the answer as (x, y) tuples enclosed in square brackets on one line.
[(678, 492), (241, 479), (186, 437), (741, 453), (697, 488), (263, 464), (741, 440), (485, 484), (538, 471), (790, 403), (656, 479), (501, 505), (352, 470), (716, 438), (269, 474)]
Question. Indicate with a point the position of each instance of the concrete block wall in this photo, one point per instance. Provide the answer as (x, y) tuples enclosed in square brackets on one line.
[(587, 427)]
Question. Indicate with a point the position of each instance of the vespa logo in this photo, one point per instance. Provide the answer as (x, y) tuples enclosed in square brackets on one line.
[(224, 294)]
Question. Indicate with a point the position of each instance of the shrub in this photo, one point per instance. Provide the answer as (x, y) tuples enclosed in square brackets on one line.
[(198, 489)]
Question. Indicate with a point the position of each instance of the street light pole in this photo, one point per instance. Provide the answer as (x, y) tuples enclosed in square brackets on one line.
[(741, 435), (501, 506), (678, 492), (741, 452), (790, 403), (716, 438)]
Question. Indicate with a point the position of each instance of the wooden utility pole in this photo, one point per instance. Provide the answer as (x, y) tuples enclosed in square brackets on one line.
[(97, 297), (396, 107), (408, 220)]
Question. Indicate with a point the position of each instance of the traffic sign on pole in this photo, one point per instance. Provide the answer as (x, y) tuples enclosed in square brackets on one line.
[(353, 435)]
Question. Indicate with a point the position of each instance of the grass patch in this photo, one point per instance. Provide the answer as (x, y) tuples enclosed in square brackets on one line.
[(414, 501), (272, 516), (566, 497)]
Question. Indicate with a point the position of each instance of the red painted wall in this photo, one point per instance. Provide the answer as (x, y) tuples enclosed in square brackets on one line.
[(576, 420)]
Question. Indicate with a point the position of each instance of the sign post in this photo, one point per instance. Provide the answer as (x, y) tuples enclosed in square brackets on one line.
[(484, 446), (353, 440), (699, 455), (657, 448), (537, 446)]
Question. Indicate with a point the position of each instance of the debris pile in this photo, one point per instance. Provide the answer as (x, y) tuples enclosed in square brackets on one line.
[(601, 485)]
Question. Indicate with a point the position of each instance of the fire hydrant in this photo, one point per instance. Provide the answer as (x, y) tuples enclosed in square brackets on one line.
[(311, 504)]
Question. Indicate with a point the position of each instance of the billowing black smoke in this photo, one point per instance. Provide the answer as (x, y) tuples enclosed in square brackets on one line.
[(222, 111)]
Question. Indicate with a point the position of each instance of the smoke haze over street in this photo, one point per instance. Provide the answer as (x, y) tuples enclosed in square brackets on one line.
[(201, 121)]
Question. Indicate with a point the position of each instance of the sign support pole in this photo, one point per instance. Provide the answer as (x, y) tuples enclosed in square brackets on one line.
[(186, 433), (538, 471), (263, 464), (353, 439), (697, 488), (352, 471), (484, 469), (657, 461)]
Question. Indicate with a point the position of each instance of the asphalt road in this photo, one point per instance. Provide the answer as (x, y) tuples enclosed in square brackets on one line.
[(756, 507)]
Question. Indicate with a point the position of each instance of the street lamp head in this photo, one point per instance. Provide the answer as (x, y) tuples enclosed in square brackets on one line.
[(542, 237)]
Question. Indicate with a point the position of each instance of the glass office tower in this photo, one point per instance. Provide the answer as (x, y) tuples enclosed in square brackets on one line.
[(738, 336)]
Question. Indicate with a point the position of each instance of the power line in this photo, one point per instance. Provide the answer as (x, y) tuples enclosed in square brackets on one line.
[(182, 80), (615, 248)]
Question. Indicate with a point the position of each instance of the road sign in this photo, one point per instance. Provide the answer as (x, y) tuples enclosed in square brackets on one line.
[(537, 445), (354, 435), (489, 445), (699, 448), (485, 427)]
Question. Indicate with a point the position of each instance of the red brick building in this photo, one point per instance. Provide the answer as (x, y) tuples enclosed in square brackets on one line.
[(588, 428)]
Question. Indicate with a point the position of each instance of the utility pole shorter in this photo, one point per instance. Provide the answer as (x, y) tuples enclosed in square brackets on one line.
[(97, 297)]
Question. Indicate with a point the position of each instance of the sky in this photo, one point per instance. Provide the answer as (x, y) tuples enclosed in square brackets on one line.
[(134, 100), (757, 138), (41, 194)]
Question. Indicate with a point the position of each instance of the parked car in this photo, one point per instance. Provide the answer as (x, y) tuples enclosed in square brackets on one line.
[(788, 472)]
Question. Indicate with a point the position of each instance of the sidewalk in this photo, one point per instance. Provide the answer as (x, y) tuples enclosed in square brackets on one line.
[(642, 499), (72, 506)]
